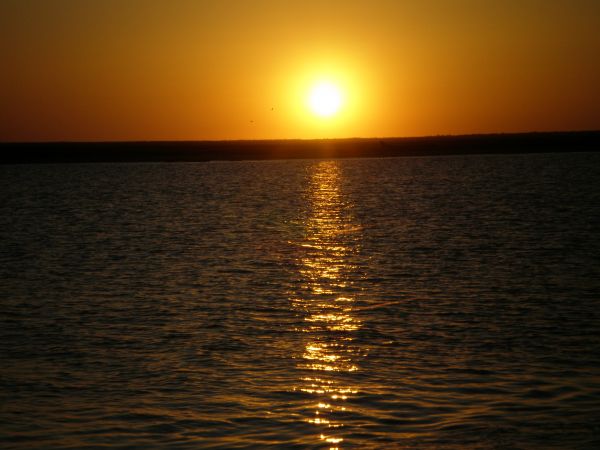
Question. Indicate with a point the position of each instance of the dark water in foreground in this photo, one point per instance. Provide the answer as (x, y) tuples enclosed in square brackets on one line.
[(447, 302)]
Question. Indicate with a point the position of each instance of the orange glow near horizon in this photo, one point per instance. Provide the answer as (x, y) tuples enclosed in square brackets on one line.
[(188, 70)]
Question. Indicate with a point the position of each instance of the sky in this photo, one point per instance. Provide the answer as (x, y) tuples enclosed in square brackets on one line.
[(244, 69)]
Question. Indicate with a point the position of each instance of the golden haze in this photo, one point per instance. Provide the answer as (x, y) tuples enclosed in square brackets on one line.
[(184, 70)]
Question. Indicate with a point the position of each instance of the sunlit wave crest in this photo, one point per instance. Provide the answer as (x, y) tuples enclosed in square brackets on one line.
[(325, 298)]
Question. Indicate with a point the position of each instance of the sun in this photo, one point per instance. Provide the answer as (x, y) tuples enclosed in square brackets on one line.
[(325, 99)]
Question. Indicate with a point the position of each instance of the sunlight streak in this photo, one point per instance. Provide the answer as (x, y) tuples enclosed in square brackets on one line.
[(325, 300)]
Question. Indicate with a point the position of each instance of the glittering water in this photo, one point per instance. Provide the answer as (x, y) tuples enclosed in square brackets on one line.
[(447, 302)]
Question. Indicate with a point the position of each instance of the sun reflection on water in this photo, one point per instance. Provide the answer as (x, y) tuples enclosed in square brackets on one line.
[(325, 298)]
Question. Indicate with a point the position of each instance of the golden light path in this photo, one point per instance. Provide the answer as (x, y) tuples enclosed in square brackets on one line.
[(325, 300)]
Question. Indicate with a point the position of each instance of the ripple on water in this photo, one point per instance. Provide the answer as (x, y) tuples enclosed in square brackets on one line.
[(376, 303)]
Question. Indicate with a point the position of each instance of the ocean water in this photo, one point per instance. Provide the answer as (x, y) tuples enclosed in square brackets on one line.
[(439, 302)]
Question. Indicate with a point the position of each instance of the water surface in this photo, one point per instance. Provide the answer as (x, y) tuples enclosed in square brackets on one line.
[(448, 302)]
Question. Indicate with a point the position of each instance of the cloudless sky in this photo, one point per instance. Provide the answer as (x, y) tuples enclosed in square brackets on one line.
[(234, 69)]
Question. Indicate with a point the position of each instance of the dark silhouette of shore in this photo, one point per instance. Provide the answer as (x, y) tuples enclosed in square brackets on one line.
[(91, 152)]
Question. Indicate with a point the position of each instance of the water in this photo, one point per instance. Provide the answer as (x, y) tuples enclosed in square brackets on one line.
[(448, 302)]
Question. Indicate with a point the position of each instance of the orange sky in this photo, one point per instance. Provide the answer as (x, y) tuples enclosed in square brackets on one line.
[(184, 70)]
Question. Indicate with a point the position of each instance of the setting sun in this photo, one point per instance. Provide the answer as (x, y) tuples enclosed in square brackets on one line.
[(307, 223), (325, 99)]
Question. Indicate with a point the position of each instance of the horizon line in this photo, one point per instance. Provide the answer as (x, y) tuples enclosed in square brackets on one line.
[(357, 138)]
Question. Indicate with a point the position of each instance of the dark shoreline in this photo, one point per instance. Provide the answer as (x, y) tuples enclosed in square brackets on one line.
[(199, 151)]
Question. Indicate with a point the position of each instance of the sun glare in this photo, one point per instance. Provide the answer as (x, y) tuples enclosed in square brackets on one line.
[(325, 99)]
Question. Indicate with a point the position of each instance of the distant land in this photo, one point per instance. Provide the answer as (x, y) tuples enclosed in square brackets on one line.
[(173, 151)]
